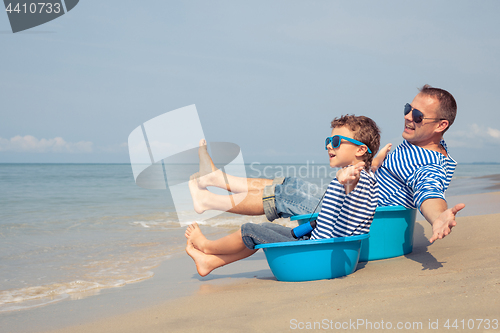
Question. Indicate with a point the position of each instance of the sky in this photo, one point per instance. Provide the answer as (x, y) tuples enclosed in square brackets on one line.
[(268, 76)]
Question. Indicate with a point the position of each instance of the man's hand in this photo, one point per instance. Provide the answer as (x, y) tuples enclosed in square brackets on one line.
[(379, 159), (443, 224)]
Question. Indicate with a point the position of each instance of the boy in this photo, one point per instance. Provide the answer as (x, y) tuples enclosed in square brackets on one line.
[(347, 209)]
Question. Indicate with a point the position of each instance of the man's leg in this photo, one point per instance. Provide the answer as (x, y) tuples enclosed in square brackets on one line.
[(246, 203)]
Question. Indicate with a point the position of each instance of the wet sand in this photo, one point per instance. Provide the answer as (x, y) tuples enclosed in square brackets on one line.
[(457, 278)]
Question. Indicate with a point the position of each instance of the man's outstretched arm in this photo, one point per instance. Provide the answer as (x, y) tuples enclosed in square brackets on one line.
[(441, 218)]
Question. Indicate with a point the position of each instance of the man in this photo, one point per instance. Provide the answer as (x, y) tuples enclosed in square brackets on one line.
[(419, 171), (415, 175)]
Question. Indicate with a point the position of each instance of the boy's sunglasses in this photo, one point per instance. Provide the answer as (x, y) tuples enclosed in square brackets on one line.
[(336, 141), (417, 115)]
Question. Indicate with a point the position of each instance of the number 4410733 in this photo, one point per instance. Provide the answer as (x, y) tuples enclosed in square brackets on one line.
[(34, 8), (472, 324)]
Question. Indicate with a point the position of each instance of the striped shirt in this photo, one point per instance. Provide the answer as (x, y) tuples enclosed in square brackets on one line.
[(344, 215), (411, 174)]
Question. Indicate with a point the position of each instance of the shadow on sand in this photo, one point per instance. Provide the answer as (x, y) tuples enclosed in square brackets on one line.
[(420, 252)]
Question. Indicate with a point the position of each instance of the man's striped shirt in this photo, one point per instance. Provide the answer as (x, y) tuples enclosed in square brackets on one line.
[(411, 174), (344, 215)]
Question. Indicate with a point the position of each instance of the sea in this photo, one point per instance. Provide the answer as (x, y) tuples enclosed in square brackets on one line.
[(68, 231)]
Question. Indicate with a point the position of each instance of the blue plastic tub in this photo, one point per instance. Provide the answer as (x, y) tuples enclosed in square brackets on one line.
[(391, 233), (313, 259)]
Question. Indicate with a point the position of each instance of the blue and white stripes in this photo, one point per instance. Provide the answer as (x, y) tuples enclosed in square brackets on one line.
[(344, 215), (411, 174)]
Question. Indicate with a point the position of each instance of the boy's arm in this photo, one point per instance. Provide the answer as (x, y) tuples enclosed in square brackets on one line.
[(349, 176), (379, 159)]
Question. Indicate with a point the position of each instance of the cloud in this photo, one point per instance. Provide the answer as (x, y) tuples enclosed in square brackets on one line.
[(485, 133), (113, 148), (475, 137), (494, 133), (29, 143)]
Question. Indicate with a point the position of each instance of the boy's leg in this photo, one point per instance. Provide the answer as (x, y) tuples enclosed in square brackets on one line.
[(209, 175), (229, 244), (234, 243), (205, 263)]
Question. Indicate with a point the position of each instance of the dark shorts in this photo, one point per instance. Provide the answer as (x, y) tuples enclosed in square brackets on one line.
[(265, 233)]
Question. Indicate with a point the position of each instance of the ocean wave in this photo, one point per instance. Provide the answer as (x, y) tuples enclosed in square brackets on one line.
[(95, 275), (226, 220)]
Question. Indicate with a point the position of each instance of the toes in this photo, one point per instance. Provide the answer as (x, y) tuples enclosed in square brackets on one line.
[(190, 228)]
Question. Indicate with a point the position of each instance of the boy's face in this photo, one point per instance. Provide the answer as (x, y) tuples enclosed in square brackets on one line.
[(345, 154)]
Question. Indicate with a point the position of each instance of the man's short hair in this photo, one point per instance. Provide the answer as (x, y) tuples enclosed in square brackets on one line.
[(447, 104), (365, 130)]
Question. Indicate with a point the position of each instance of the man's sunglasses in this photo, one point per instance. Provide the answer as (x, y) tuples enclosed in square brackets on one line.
[(336, 141), (417, 115)]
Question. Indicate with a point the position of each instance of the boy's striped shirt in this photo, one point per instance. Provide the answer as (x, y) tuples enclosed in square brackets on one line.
[(411, 174), (344, 215)]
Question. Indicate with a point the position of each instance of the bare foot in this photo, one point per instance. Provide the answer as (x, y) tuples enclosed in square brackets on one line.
[(206, 164), (197, 194), (200, 259), (379, 159), (195, 236), (209, 175)]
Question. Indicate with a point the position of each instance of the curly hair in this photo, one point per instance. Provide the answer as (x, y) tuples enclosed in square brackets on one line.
[(365, 130)]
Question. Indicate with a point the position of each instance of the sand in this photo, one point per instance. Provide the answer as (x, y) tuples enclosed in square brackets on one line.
[(456, 278)]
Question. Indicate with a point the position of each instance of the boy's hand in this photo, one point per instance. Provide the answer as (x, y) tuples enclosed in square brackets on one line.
[(350, 174)]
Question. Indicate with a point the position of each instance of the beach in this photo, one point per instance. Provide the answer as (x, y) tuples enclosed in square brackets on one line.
[(126, 123), (454, 281)]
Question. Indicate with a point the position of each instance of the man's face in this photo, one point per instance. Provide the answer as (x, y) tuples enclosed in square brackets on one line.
[(421, 134)]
